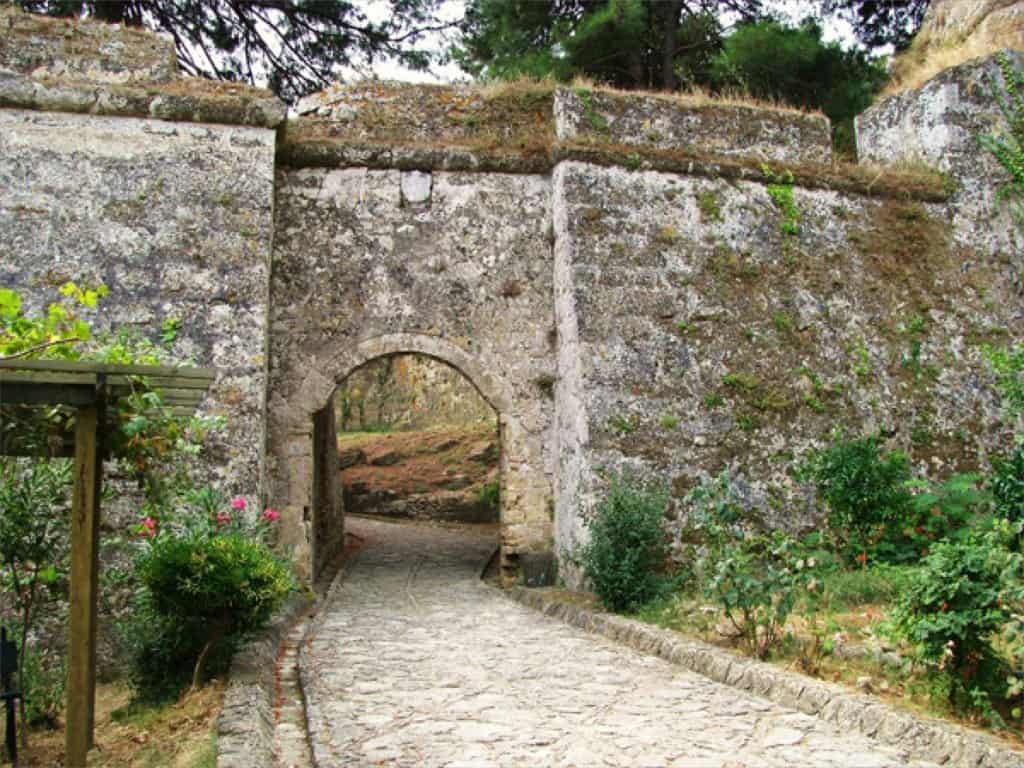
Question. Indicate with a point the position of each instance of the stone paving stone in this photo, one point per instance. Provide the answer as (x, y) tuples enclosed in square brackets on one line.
[(414, 661)]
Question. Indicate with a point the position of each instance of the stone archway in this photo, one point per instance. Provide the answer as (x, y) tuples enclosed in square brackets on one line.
[(314, 519)]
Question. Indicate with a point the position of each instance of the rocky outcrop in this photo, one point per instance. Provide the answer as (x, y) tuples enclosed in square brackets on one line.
[(994, 23), (956, 31), (940, 124)]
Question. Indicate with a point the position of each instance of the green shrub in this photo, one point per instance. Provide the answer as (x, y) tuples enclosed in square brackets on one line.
[(951, 609), (41, 681), (624, 559), (1007, 484), (938, 512), (863, 491), (755, 577), (756, 581), (163, 653), (489, 494), (207, 577), (1008, 367), (1008, 147), (227, 584), (34, 528)]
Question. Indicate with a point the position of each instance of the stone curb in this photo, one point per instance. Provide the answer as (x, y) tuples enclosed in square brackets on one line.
[(322, 758), (921, 738), (245, 728)]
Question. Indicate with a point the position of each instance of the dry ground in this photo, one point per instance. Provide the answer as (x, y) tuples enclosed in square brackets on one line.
[(421, 462), (182, 735)]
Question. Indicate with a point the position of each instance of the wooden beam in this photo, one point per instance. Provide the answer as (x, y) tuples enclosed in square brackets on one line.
[(18, 388), (170, 396), (120, 381), (85, 529), (112, 369)]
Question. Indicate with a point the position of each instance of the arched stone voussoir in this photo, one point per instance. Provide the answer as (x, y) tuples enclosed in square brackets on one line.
[(318, 386)]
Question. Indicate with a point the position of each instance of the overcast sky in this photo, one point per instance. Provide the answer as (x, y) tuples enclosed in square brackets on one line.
[(790, 10)]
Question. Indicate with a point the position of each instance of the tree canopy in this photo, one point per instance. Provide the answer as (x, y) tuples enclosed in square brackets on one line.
[(296, 46), (881, 22), (654, 44)]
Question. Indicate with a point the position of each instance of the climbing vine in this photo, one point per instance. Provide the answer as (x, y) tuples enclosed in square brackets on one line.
[(1008, 147)]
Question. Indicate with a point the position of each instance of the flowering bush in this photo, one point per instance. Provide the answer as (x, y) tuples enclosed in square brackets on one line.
[(207, 577), (754, 576), (953, 607)]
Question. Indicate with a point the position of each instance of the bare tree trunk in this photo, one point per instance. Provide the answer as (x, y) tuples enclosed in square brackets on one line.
[(26, 616), (219, 630), (112, 11), (671, 10)]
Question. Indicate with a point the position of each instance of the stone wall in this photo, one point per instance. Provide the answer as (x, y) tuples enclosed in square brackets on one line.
[(665, 284), (680, 121), (176, 220), (939, 125), (700, 336)]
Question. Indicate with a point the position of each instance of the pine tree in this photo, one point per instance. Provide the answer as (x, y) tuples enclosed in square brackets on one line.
[(296, 46)]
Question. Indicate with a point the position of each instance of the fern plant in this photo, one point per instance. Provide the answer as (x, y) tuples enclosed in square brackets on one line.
[(1008, 147)]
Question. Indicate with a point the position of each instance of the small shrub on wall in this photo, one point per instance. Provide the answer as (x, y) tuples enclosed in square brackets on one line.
[(1008, 147), (625, 558), (1008, 485)]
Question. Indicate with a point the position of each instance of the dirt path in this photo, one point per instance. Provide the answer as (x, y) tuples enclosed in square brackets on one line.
[(415, 662)]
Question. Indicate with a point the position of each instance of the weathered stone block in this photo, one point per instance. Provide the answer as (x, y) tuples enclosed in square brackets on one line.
[(668, 121), (416, 187), (940, 124)]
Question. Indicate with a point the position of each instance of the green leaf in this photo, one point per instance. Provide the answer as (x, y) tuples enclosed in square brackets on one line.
[(10, 303), (80, 329)]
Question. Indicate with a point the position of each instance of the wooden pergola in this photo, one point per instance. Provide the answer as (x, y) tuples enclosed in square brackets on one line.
[(91, 389)]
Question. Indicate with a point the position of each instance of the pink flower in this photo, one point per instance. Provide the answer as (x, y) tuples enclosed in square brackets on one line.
[(271, 515), (148, 528), (223, 518), (238, 503)]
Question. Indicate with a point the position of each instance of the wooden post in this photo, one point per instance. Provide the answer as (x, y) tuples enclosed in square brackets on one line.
[(328, 534), (85, 529)]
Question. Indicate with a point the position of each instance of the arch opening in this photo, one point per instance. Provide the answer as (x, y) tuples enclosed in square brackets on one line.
[(408, 437)]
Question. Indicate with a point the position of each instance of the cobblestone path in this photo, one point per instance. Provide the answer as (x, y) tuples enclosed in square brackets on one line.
[(415, 662)]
